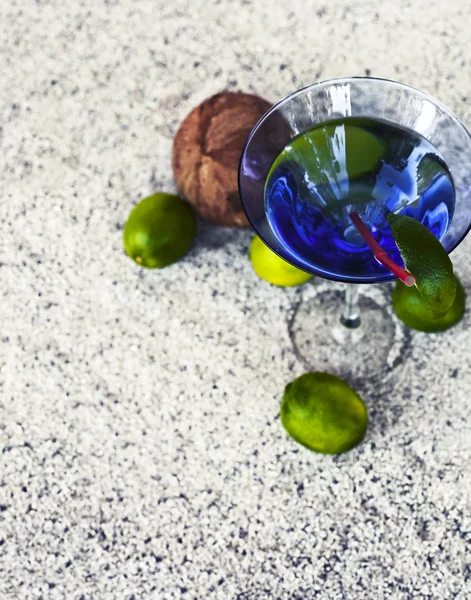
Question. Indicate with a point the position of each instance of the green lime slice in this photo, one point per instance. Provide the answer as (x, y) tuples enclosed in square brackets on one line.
[(159, 230), (411, 309), (427, 260), (270, 267), (323, 413)]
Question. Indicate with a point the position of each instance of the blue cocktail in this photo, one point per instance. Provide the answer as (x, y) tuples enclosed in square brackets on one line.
[(353, 146), (354, 165)]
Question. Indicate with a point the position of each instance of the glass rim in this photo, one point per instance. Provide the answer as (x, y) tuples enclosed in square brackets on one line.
[(338, 80)]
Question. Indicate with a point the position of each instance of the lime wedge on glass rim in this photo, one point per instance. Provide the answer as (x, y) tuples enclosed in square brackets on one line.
[(428, 261)]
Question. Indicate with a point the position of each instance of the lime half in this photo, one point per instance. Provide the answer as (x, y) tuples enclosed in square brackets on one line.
[(159, 231), (270, 267), (411, 309), (323, 413)]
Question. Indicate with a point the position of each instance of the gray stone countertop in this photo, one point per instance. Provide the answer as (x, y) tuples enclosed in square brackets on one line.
[(141, 451)]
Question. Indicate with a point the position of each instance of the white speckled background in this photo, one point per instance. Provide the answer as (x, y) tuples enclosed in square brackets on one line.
[(141, 450)]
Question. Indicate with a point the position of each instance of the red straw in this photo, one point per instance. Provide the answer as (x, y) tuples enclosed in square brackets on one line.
[(381, 254)]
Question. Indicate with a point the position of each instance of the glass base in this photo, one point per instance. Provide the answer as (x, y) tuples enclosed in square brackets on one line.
[(365, 348)]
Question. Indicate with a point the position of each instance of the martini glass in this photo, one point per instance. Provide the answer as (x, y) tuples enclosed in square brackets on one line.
[(360, 337)]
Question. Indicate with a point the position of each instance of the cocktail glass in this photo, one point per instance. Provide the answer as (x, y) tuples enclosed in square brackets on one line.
[(363, 337)]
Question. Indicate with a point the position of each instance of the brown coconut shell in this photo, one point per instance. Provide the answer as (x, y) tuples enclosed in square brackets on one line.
[(206, 154)]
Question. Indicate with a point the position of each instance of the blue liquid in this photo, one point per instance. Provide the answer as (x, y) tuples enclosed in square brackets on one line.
[(354, 165)]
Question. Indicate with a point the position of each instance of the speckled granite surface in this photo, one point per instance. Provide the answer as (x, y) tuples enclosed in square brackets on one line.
[(142, 454)]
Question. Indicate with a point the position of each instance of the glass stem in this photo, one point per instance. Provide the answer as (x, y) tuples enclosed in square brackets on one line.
[(350, 316)]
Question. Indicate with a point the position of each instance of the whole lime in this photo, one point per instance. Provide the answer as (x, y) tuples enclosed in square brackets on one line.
[(323, 413), (270, 267), (410, 307), (159, 230)]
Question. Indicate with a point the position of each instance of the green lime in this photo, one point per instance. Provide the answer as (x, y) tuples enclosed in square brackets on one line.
[(270, 267), (159, 231), (323, 413), (410, 307), (427, 260)]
